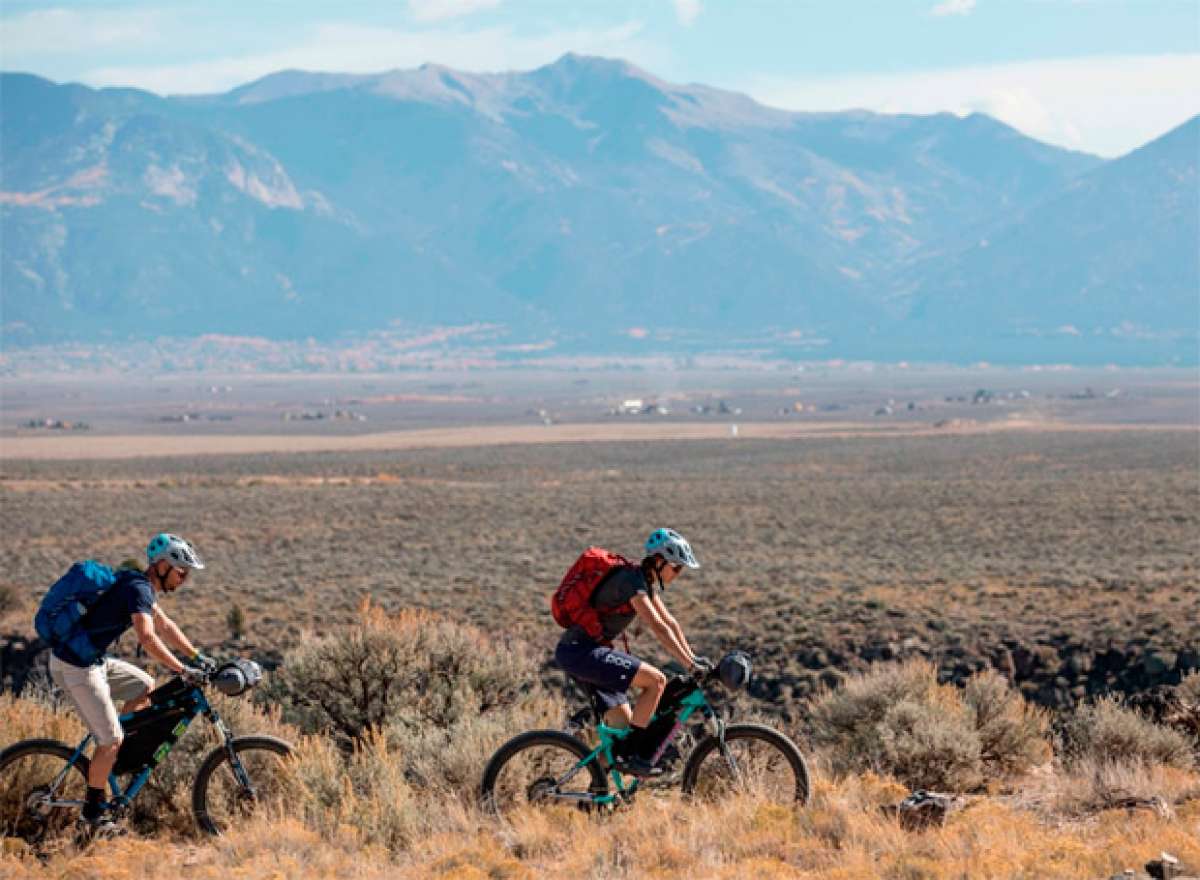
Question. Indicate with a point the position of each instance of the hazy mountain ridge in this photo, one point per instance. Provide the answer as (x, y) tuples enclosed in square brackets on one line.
[(1154, 190), (577, 201)]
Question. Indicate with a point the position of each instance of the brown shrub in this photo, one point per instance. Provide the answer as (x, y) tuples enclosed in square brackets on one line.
[(1189, 689), (441, 693), (1107, 731), (897, 719), (1013, 735), (930, 746)]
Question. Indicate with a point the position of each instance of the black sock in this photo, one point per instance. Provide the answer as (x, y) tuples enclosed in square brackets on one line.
[(92, 804), (634, 742)]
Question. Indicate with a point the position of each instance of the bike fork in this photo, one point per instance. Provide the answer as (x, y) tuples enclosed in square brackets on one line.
[(718, 725), (235, 763)]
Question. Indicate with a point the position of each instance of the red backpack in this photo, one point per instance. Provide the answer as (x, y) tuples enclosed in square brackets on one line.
[(571, 603)]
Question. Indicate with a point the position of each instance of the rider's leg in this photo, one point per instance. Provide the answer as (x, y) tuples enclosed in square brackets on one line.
[(619, 716), (127, 682), (88, 688), (136, 705), (102, 763), (652, 682), (631, 750)]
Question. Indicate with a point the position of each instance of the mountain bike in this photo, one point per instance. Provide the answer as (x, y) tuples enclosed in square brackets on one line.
[(546, 767), (43, 781)]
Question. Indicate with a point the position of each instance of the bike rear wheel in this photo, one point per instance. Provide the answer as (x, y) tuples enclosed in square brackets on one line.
[(221, 797), (32, 807), (757, 761), (540, 768)]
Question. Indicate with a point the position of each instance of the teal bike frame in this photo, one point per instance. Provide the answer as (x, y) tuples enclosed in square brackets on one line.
[(688, 705)]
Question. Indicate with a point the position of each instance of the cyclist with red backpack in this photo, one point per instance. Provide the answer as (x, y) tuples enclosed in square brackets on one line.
[(599, 597), (87, 610)]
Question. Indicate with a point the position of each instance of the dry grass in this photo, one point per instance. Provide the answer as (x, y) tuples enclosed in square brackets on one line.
[(371, 811), (843, 835)]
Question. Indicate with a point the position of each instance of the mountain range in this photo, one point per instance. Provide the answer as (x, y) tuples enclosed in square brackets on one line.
[(589, 206)]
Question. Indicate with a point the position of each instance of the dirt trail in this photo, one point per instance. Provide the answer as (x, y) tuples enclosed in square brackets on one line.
[(155, 446)]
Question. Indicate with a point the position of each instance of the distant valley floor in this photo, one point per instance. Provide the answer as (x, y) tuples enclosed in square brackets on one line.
[(84, 447)]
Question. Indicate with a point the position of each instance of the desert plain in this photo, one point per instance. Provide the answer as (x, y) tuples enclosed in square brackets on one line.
[(1041, 525)]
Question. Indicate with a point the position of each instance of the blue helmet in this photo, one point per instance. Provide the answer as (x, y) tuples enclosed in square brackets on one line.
[(671, 546), (173, 549)]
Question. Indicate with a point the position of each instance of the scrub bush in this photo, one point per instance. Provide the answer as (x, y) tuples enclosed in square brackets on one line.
[(439, 694), (1107, 731), (898, 720), (1013, 735), (1189, 689)]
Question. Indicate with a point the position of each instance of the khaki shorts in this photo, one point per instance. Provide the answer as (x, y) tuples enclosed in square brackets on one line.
[(94, 688)]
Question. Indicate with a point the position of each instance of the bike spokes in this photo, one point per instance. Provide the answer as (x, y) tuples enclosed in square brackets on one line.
[(747, 766), (262, 783), (542, 775), (39, 803)]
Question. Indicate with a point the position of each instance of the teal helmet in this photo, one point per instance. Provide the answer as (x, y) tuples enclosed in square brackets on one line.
[(174, 549), (672, 547)]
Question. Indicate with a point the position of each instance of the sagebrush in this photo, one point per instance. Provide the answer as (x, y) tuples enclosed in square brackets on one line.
[(897, 719)]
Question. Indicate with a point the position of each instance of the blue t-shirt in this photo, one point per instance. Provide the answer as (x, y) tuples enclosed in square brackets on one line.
[(113, 612)]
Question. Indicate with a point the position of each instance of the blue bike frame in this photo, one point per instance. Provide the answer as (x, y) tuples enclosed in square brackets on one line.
[(121, 798)]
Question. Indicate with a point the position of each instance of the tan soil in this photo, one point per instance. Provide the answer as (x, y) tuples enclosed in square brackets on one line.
[(154, 446)]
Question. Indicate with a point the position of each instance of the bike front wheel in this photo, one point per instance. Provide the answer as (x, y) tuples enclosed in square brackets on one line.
[(542, 768), (756, 761), (41, 791), (260, 781)]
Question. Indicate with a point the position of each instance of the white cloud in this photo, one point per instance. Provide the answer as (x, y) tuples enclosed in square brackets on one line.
[(440, 10), (63, 31), (1102, 104), (348, 48), (687, 11), (953, 7)]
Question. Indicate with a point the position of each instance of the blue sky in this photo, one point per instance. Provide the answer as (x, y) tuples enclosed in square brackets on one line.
[(1098, 75)]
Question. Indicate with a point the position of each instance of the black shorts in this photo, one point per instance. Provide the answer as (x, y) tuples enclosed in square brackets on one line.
[(607, 671)]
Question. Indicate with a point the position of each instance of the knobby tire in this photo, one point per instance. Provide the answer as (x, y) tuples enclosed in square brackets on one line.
[(15, 821), (534, 739), (203, 801), (692, 771)]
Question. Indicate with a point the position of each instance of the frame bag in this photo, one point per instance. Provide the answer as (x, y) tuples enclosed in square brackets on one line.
[(152, 732)]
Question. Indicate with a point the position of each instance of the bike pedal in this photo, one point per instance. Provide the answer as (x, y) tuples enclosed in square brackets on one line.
[(102, 829)]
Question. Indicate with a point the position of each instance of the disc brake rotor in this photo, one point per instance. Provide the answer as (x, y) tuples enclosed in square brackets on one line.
[(541, 790)]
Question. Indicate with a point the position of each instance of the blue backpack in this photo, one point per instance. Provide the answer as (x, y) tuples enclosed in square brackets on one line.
[(65, 604)]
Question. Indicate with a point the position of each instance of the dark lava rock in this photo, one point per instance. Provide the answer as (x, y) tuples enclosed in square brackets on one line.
[(922, 809)]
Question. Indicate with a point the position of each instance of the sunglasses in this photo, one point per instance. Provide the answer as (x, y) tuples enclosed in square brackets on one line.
[(182, 572)]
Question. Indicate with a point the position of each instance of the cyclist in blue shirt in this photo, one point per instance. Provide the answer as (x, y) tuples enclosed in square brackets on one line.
[(130, 601)]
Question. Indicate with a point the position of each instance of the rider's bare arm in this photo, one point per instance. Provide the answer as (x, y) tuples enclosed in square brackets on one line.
[(647, 612), (171, 633), (670, 621), (143, 625)]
